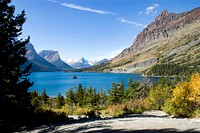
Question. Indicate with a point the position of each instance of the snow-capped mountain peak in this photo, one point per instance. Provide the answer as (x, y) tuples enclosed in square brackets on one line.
[(84, 63), (79, 63)]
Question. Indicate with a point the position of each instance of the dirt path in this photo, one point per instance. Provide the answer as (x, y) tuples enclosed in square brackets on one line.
[(151, 121)]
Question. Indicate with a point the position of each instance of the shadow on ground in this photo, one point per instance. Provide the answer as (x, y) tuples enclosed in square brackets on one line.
[(85, 130), (100, 127)]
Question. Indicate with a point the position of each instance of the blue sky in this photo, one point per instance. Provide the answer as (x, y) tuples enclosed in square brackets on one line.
[(93, 29)]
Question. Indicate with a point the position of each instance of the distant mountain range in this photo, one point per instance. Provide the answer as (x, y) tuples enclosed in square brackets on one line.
[(83, 63), (49, 60)]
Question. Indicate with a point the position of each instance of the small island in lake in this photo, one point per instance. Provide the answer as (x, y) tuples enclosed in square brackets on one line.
[(74, 77)]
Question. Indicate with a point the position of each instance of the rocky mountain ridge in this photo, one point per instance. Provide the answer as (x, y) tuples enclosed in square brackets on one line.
[(54, 58), (167, 33), (47, 60), (38, 63)]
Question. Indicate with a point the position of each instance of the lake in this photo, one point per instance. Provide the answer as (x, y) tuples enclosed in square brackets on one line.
[(55, 82)]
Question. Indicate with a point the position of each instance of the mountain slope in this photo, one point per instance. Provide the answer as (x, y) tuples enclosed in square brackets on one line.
[(54, 58), (38, 63), (170, 38)]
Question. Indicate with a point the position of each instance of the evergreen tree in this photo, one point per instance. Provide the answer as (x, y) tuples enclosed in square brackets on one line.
[(121, 92), (80, 95), (70, 97), (102, 98), (44, 96), (92, 97), (14, 97), (35, 99), (60, 101), (116, 94), (131, 92)]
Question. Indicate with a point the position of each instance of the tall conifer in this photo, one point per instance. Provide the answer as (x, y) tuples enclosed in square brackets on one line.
[(14, 84)]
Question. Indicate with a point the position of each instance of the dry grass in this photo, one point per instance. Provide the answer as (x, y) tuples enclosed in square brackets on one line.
[(134, 106)]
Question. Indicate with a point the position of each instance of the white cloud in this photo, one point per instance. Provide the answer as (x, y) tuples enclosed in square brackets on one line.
[(78, 7), (151, 9), (131, 22)]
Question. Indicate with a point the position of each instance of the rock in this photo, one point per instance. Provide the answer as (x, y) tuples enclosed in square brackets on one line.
[(54, 58)]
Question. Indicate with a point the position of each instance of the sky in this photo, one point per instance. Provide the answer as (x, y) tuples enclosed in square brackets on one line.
[(93, 29)]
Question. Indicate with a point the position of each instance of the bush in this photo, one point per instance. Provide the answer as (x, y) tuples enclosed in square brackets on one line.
[(186, 98), (196, 113), (69, 110), (46, 116), (82, 111), (137, 106), (114, 110)]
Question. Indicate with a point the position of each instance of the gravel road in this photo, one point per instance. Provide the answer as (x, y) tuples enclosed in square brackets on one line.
[(150, 121)]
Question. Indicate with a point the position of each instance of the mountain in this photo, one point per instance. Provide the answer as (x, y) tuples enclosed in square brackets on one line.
[(83, 63), (80, 63), (97, 62), (170, 38), (38, 63), (54, 58)]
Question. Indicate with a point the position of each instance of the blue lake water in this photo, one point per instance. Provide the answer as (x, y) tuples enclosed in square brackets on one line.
[(55, 82)]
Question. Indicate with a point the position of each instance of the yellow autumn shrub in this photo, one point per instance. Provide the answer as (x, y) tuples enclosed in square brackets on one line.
[(186, 98), (195, 89)]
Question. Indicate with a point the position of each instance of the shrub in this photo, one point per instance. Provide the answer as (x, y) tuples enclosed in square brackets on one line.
[(137, 106), (114, 110), (69, 110), (134, 106), (82, 111), (45, 116), (158, 96), (186, 98)]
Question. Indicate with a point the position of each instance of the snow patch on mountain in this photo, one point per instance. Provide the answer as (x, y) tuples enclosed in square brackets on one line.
[(84, 63)]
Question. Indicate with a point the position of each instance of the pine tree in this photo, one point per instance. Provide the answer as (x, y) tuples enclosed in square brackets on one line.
[(14, 84), (35, 99), (44, 96), (80, 95), (116, 94), (131, 91), (60, 101), (70, 97), (103, 98)]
